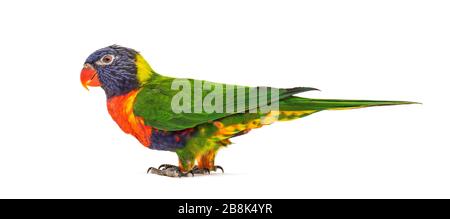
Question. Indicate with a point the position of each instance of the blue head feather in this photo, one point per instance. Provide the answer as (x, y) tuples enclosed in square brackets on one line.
[(119, 77)]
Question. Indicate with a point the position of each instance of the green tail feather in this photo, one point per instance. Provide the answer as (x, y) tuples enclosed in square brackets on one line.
[(299, 104)]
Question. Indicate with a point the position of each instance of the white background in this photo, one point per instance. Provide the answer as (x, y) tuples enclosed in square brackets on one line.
[(58, 141)]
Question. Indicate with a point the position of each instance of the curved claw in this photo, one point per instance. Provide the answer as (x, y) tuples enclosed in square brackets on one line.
[(219, 167), (150, 169)]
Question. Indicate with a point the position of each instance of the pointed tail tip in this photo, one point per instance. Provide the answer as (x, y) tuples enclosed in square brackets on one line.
[(407, 102), (390, 103)]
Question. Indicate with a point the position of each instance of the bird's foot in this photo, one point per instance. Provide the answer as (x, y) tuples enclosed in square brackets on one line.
[(197, 170), (170, 171), (174, 171)]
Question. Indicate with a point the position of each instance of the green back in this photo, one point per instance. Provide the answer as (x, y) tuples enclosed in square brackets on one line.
[(154, 102)]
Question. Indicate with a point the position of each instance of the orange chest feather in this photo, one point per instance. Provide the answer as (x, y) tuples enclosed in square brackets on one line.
[(121, 110)]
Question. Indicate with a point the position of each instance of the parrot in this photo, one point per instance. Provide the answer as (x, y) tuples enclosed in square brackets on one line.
[(141, 102)]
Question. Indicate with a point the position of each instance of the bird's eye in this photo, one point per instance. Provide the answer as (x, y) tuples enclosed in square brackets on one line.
[(106, 60)]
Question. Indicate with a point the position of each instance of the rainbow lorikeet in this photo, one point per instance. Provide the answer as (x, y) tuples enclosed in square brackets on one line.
[(141, 102)]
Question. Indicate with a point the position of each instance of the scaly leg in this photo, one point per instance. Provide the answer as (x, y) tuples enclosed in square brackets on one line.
[(170, 171), (183, 169)]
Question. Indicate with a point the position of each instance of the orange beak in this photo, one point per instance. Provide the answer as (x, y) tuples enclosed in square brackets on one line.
[(89, 77)]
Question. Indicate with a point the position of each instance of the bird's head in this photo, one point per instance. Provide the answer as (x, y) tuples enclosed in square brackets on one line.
[(118, 70)]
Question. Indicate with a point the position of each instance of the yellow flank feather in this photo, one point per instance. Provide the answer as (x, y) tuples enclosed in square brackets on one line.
[(225, 132), (290, 115), (144, 70)]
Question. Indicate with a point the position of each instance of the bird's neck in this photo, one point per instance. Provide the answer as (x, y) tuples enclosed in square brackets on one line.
[(143, 70), (121, 110)]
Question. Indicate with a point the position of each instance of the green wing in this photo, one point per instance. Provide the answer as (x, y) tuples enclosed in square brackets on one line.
[(154, 101)]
